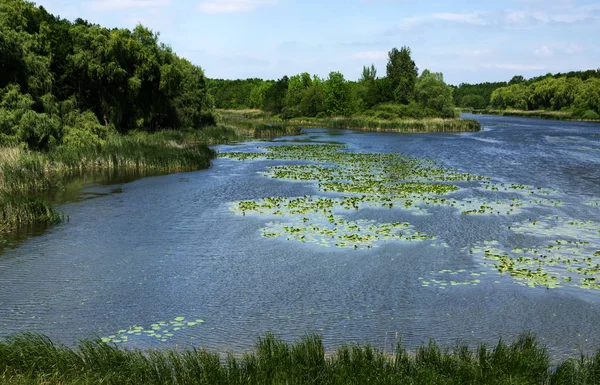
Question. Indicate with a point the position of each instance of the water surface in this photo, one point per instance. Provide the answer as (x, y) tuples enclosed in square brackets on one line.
[(164, 247)]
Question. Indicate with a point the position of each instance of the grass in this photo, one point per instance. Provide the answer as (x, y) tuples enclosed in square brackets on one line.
[(396, 125), (33, 358), (539, 114), (23, 173), (249, 120), (256, 124)]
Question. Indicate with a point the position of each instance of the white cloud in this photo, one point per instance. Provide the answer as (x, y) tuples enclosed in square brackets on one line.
[(110, 5), (464, 18), (543, 51), (574, 48), (232, 6), (373, 55), (476, 52), (514, 67)]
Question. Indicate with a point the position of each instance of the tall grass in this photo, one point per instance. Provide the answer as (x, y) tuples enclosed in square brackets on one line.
[(32, 358), (24, 173), (395, 125), (249, 122)]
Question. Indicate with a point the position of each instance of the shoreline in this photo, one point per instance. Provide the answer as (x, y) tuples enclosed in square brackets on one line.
[(538, 114)]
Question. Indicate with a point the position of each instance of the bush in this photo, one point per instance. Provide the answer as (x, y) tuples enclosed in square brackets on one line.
[(590, 115)]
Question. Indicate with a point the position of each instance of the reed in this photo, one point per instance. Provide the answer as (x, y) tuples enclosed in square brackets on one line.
[(395, 125), (32, 358), (17, 211), (24, 173)]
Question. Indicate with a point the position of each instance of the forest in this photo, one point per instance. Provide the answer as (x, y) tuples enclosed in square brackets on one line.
[(574, 93), (68, 83), (401, 93)]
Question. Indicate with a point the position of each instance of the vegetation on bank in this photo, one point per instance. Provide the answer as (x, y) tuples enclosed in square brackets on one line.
[(31, 358), (24, 173), (413, 96), (570, 96), (539, 114), (387, 121)]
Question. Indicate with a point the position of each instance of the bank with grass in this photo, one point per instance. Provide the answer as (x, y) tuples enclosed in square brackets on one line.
[(36, 359), (257, 120), (539, 114)]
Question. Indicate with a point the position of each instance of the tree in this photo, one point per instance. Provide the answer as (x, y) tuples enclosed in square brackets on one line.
[(473, 101), (402, 74), (432, 92), (338, 95), (313, 100), (366, 89), (275, 96)]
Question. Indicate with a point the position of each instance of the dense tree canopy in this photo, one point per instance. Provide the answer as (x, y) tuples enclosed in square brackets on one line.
[(573, 92), (564, 93), (64, 83), (402, 74), (303, 95)]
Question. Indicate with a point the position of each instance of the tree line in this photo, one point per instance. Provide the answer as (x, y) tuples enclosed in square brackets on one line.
[(402, 92), (68, 83), (576, 92)]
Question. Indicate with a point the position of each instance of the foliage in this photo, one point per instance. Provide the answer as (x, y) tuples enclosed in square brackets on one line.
[(32, 358), (402, 74), (576, 93), (432, 92), (338, 96), (303, 96), (52, 69)]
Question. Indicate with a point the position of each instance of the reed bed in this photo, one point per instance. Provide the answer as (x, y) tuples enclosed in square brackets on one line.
[(260, 128), (396, 125), (24, 173), (35, 359)]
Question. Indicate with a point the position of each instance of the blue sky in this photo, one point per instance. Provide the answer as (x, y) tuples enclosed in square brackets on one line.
[(469, 41)]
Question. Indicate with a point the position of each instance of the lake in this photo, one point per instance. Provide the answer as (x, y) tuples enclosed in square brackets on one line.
[(167, 261)]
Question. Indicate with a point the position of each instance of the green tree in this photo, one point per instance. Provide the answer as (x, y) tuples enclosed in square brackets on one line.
[(432, 92), (337, 95), (275, 96), (402, 74)]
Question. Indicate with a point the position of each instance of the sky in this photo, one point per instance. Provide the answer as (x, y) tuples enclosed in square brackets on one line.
[(468, 41)]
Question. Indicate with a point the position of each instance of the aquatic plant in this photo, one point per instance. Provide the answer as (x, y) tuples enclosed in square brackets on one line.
[(161, 330), (352, 181)]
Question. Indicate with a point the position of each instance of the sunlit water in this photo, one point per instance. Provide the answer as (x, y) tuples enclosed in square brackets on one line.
[(164, 247)]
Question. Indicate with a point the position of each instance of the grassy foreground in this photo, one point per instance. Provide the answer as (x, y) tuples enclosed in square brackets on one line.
[(35, 359)]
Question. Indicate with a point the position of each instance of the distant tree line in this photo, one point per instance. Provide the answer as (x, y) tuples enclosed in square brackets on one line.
[(577, 92), (401, 93), (71, 83)]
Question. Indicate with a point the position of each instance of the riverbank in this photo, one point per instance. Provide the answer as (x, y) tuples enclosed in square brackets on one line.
[(24, 174), (35, 359), (539, 114), (360, 123)]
